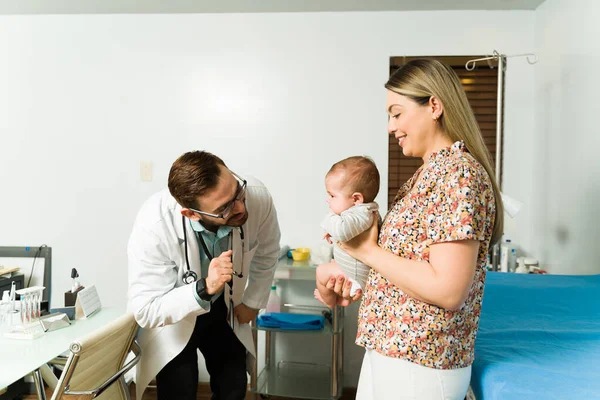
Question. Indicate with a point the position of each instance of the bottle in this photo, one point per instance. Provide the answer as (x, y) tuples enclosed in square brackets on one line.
[(274, 303), (507, 257), (512, 260)]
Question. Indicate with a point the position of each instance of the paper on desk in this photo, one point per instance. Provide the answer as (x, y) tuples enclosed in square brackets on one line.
[(87, 302)]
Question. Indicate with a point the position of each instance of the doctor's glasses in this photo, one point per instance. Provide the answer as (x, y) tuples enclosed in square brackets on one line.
[(228, 208)]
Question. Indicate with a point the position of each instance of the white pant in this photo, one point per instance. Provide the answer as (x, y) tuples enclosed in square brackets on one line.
[(387, 378)]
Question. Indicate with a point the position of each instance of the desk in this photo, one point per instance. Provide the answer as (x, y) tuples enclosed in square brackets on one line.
[(22, 357)]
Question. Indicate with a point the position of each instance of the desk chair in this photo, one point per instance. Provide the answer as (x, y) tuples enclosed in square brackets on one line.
[(97, 361)]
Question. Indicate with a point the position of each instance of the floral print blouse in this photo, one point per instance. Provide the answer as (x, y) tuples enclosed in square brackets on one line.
[(453, 200)]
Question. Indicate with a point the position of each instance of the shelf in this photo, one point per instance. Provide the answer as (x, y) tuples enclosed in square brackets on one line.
[(297, 380), (326, 331), (314, 376), (286, 268)]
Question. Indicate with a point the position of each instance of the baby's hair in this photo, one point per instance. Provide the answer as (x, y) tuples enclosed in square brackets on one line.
[(360, 175)]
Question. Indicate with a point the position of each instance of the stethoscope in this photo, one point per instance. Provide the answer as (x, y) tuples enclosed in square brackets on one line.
[(190, 276)]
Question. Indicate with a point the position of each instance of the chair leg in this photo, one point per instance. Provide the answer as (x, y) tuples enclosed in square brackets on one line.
[(125, 388), (39, 384)]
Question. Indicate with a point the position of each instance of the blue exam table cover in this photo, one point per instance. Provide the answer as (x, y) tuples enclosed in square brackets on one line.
[(539, 338), (289, 321)]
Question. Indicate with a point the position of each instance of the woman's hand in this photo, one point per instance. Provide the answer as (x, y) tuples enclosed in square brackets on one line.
[(362, 245), (342, 287)]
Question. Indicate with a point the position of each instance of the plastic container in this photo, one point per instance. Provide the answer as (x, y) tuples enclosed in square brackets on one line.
[(508, 256), (521, 268), (512, 260), (274, 302), (301, 254), (532, 264), (283, 251)]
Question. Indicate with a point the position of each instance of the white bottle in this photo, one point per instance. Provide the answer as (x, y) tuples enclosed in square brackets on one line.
[(274, 303), (508, 261), (512, 260)]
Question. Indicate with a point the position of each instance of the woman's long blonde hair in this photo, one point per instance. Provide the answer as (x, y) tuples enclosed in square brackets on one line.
[(421, 79)]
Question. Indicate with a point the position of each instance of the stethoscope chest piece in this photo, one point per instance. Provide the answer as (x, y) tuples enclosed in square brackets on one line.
[(189, 277)]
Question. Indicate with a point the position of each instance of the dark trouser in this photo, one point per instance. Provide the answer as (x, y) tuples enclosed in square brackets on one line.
[(225, 358)]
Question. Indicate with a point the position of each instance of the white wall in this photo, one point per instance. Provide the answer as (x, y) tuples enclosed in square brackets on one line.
[(280, 96), (564, 150)]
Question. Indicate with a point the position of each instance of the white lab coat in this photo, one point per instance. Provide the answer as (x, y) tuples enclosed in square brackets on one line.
[(165, 307)]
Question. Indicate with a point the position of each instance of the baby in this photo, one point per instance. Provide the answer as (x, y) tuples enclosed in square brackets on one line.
[(352, 185)]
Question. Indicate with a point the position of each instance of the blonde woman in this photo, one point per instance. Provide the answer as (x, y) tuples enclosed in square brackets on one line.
[(421, 306)]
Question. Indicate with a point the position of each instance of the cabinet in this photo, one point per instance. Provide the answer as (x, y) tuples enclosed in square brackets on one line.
[(317, 373)]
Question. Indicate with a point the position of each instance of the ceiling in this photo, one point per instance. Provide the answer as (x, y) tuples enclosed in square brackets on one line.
[(250, 6)]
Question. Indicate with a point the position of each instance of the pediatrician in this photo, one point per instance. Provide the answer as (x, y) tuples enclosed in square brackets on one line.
[(201, 263)]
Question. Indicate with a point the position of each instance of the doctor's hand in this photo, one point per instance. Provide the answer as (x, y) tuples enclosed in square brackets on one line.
[(220, 271), (244, 313)]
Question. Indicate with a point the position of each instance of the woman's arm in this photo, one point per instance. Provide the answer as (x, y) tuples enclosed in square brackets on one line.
[(444, 281)]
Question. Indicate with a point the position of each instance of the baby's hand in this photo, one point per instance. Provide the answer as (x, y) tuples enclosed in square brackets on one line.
[(327, 237)]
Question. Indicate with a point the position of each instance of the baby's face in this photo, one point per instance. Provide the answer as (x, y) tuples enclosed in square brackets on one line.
[(338, 199)]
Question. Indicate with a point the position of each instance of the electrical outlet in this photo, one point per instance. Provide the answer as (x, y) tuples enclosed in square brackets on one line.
[(146, 171)]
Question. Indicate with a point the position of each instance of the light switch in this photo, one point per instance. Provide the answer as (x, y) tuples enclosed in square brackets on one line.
[(146, 171)]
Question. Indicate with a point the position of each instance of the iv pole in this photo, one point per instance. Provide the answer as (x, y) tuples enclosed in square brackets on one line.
[(501, 59)]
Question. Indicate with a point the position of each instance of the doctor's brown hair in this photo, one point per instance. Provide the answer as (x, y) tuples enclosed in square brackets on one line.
[(192, 174)]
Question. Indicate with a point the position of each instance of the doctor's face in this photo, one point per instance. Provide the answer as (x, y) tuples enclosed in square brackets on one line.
[(228, 198)]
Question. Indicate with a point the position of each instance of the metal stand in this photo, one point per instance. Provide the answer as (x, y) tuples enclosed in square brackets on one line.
[(267, 380), (254, 372), (335, 353), (501, 59)]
